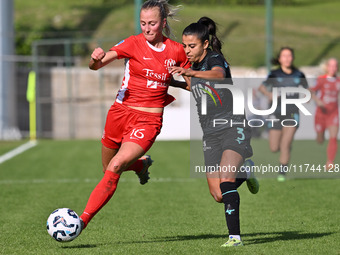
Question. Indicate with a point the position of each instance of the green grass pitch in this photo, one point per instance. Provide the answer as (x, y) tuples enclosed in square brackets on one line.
[(172, 214)]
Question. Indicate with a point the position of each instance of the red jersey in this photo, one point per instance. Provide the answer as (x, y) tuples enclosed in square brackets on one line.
[(147, 77), (328, 88)]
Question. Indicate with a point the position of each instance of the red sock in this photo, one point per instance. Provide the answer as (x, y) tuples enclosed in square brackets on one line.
[(101, 194), (137, 166), (332, 149)]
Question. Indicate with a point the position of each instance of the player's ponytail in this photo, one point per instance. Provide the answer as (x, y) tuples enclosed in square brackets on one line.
[(205, 29), (215, 43), (166, 11)]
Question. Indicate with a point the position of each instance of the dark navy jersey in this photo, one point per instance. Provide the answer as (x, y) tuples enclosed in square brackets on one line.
[(219, 102), (279, 79)]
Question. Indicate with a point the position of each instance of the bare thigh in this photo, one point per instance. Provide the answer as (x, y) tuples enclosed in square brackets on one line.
[(107, 155), (231, 162), (287, 136), (127, 154)]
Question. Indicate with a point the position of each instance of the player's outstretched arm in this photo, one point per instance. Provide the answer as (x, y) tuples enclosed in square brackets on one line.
[(214, 73), (180, 84), (100, 58)]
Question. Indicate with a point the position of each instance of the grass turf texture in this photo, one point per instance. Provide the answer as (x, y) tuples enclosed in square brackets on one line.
[(6, 146), (312, 29), (173, 214)]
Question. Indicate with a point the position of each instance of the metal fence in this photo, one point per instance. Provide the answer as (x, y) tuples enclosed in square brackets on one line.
[(56, 63)]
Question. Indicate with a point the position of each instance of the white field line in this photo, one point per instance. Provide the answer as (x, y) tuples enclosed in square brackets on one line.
[(17, 151), (61, 181)]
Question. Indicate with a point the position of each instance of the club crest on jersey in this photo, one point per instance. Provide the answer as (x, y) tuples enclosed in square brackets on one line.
[(207, 89), (169, 62), (297, 80)]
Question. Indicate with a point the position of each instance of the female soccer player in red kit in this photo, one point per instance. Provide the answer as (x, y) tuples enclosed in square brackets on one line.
[(135, 119), (327, 113)]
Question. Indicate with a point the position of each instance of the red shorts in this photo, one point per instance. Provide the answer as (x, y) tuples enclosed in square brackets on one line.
[(323, 120), (124, 124)]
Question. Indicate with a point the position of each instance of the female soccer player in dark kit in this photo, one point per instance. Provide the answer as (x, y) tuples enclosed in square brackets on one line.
[(285, 76), (135, 119), (224, 146)]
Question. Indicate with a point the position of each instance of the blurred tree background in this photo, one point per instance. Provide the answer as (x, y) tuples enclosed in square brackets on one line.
[(310, 26)]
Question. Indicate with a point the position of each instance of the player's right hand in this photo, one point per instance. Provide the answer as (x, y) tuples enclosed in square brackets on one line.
[(320, 104), (181, 71), (98, 54), (270, 96)]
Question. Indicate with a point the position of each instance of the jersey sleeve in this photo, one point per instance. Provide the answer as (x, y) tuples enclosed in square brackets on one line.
[(217, 60), (318, 84), (124, 48), (270, 81)]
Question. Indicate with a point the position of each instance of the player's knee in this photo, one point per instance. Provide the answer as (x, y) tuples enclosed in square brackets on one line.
[(217, 196), (285, 147), (117, 165), (274, 149), (333, 142), (320, 140)]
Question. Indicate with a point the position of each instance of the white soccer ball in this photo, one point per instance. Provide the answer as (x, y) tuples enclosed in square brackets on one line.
[(63, 225)]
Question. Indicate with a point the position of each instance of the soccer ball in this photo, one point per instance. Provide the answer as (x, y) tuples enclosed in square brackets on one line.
[(63, 225)]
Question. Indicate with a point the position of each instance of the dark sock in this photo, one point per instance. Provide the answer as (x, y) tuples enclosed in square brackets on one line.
[(240, 178), (283, 168), (231, 200)]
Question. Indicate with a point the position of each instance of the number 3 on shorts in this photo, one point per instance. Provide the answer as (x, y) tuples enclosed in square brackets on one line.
[(137, 133), (240, 138)]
